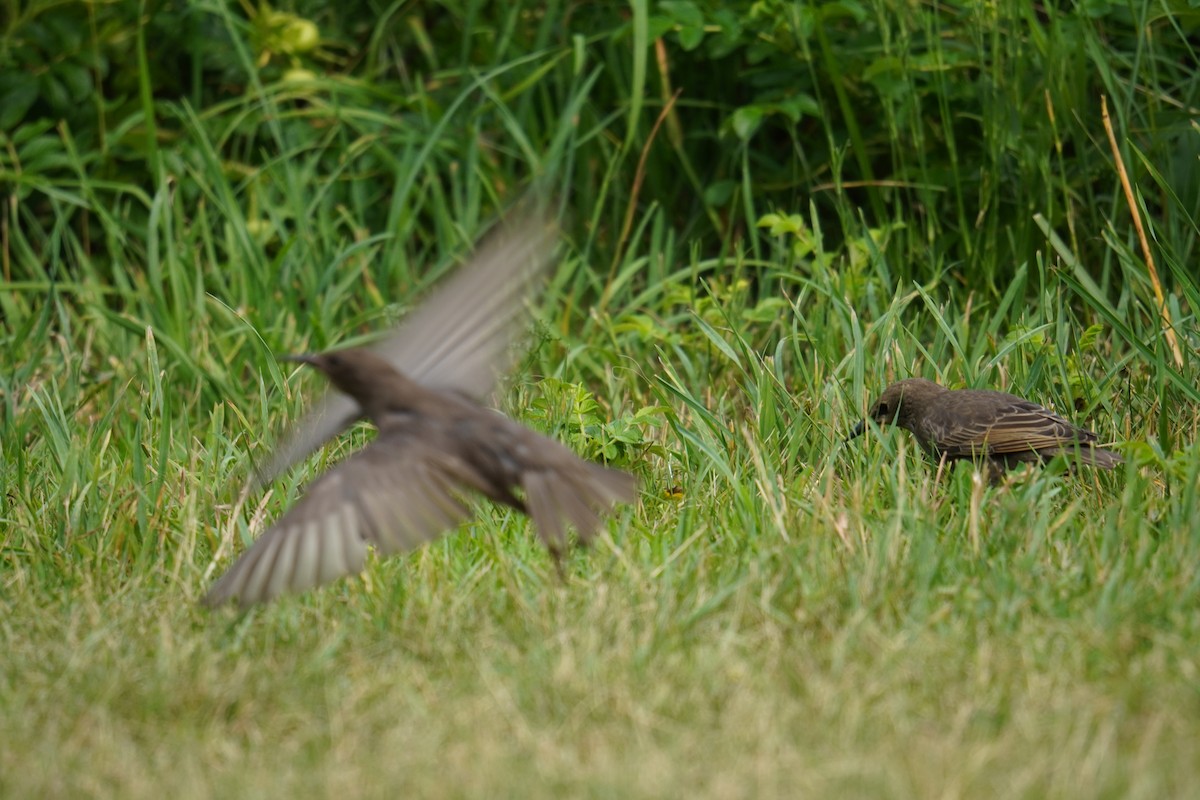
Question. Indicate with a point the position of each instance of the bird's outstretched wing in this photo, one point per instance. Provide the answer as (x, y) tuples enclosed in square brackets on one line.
[(459, 339), (394, 494)]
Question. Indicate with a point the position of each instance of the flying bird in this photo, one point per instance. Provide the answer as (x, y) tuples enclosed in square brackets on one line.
[(422, 388), (997, 429)]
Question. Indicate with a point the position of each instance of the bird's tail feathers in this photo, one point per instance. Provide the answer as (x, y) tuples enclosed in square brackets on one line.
[(1099, 457), (556, 498), (1088, 454)]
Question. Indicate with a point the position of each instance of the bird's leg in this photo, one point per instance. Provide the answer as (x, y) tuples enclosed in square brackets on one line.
[(993, 471), (557, 554)]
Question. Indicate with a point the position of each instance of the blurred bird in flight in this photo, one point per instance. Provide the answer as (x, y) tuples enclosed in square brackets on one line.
[(424, 388)]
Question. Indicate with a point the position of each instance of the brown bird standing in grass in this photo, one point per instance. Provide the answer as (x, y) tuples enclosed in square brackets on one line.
[(436, 440), (999, 430)]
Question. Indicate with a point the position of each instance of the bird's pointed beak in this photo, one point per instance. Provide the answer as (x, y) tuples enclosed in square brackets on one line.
[(856, 431), (300, 358)]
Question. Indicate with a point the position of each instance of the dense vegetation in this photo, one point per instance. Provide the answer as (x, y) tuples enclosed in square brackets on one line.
[(771, 210)]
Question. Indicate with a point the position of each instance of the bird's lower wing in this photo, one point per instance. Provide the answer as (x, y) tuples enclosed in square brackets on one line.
[(386, 496)]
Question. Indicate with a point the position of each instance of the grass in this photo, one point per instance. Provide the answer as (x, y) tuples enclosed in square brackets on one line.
[(780, 614)]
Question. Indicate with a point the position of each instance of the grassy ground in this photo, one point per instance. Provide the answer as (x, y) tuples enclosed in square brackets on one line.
[(779, 615)]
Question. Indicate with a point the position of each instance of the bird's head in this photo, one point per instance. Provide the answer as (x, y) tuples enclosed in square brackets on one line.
[(354, 371), (898, 404)]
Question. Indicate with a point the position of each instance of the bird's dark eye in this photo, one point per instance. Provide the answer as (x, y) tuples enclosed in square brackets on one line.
[(882, 410)]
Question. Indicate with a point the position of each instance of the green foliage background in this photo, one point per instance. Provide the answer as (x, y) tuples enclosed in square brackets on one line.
[(771, 210)]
